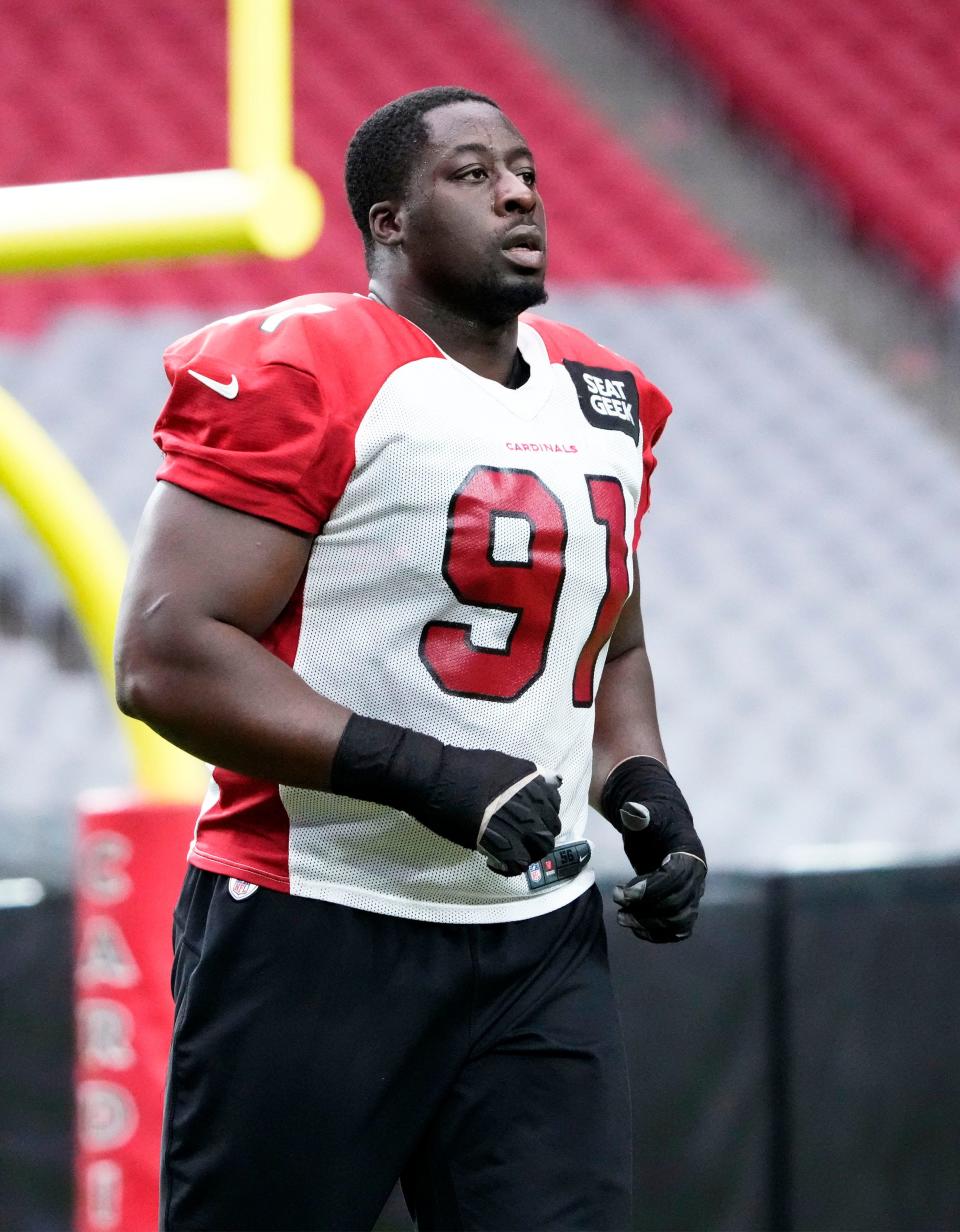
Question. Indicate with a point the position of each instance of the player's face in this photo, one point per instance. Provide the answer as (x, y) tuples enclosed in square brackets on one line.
[(476, 235)]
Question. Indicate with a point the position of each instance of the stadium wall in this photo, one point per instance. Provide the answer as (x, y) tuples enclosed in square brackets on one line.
[(772, 1088)]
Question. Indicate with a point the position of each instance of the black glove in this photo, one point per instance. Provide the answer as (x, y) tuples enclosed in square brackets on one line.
[(478, 798), (642, 800)]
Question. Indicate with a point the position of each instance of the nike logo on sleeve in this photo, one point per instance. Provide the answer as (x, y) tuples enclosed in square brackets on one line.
[(227, 390)]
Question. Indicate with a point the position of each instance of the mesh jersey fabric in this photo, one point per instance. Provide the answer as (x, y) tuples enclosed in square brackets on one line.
[(471, 553)]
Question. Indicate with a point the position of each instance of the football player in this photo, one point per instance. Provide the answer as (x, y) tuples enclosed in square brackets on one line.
[(386, 586)]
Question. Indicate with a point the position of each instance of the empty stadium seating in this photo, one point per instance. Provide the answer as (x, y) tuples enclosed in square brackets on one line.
[(131, 88), (862, 93), (60, 737), (798, 581), (135, 88)]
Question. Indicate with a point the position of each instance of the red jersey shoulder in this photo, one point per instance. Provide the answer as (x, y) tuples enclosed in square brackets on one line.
[(264, 406), (596, 367), (348, 344), (604, 383), (566, 342)]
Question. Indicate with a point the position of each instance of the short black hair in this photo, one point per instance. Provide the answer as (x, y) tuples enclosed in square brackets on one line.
[(384, 149)]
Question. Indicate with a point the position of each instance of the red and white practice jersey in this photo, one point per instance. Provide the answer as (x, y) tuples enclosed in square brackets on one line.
[(471, 556)]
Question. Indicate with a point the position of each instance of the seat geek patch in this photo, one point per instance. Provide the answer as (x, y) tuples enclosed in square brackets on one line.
[(608, 397)]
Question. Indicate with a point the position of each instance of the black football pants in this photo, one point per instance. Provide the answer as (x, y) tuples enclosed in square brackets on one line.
[(320, 1053)]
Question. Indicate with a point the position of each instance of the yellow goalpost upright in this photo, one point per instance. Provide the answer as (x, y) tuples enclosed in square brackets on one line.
[(262, 203), (90, 558)]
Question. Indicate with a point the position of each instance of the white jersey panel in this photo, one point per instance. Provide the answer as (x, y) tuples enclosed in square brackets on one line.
[(385, 568)]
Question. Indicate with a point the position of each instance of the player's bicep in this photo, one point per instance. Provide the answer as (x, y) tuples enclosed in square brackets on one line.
[(195, 560)]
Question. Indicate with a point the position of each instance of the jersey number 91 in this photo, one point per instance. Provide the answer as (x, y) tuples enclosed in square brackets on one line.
[(529, 589)]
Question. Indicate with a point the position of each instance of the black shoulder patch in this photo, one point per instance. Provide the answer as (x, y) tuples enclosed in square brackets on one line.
[(608, 398)]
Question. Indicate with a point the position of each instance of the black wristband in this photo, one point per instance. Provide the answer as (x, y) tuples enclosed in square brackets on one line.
[(638, 778), (644, 780), (447, 789), (384, 763)]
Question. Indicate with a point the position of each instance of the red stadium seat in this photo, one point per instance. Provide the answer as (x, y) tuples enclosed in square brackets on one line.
[(134, 89), (862, 93)]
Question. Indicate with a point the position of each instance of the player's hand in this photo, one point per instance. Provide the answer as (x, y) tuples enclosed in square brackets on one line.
[(523, 828), (661, 904), (481, 799)]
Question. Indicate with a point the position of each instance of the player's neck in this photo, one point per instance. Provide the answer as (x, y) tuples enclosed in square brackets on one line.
[(488, 350)]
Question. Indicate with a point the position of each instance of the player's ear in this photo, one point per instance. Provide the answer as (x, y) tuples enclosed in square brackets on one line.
[(386, 223)]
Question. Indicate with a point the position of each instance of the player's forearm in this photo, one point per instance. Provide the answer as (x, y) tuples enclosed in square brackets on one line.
[(626, 716), (216, 692)]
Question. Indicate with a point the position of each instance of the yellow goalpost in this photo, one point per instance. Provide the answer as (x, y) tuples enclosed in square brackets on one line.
[(90, 558), (262, 202)]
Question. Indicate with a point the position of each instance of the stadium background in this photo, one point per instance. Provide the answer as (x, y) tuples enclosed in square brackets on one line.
[(760, 204)]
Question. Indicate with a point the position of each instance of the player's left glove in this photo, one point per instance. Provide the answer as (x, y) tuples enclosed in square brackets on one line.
[(642, 800)]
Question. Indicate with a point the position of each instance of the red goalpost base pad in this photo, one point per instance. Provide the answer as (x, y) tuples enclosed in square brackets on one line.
[(131, 864)]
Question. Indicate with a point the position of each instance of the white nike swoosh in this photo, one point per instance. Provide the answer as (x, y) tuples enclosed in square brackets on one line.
[(230, 390)]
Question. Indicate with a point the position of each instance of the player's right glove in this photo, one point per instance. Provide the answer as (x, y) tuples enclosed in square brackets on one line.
[(641, 798), (478, 798)]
